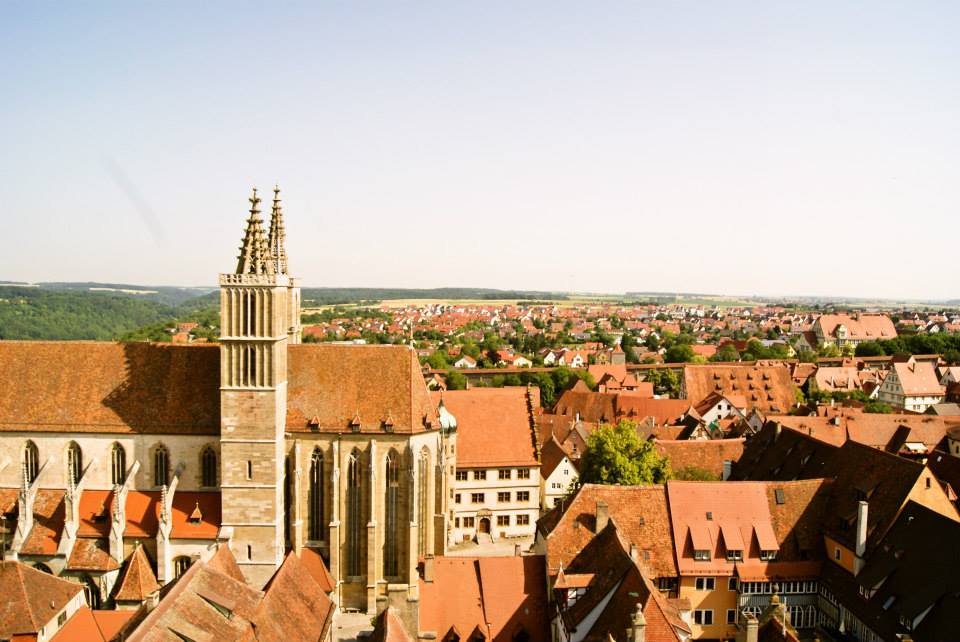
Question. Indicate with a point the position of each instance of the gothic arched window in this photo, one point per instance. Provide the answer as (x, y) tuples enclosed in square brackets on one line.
[(391, 552), (423, 467), (118, 464), (74, 460), (354, 478), (315, 497), (208, 466), (161, 466), (180, 565), (31, 461)]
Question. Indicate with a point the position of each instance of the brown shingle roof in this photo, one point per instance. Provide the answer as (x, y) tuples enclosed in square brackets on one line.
[(109, 387), (335, 383), (294, 608), (642, 518), (770, 389), (138, 580), (31, 598), (707, 454)]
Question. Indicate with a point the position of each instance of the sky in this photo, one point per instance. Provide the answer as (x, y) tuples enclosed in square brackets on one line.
[(742, 148)]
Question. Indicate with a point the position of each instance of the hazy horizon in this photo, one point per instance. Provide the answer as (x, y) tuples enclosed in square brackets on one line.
[(742, 149)]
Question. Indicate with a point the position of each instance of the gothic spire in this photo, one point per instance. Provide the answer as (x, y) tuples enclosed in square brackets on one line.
[(278, 236), (254, 254)]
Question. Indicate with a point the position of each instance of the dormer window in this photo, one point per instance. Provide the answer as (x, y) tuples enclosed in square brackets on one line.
[(734, 556), (768, 556), (701, 555)]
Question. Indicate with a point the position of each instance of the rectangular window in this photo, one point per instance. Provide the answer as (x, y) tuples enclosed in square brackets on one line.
[(767, 556), (62, 619), (476, 498), (523, 473), (667, 583), (503, 497), (456, 498), (731, 584), (503, 520), (523, 520), (731, 616), (734, 556), (504, 473), (461, 475), (249, 469), (836, 552), (479, 475), (705, 583), (703, 617), (456, 522), (702, 556), (468, 522), (523, 495)]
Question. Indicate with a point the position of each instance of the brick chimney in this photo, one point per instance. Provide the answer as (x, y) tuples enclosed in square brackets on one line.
[(603, 516)]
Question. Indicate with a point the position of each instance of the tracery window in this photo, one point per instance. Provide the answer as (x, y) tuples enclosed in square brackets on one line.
[(118, 464), (161, 470), (74, 463), (391, 553), (31, 461), (315, 497), (354, 478), (208, 465)]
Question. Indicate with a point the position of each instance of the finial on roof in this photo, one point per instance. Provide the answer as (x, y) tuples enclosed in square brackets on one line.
[(254, 252), (277, 239)]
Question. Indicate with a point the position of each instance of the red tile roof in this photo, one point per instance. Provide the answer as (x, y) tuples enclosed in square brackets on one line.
[(494, 426), (767, 388), (92, 626), (335, 383), (318, 570), (294, 608), (91, 555), (138, 580), (31, 598), (500, 596), (716, 517), (707, 454), (48, 517), (642, 518), (101, 387)]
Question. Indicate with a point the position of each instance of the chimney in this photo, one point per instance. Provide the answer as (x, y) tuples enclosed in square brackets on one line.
[(752, 628), (634, 553), (861, 535), (603, 516), (638, 625), (428, 569), (727, 469)]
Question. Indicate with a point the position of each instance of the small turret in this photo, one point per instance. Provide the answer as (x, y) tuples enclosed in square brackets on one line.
[(254, 253), (277, 239)]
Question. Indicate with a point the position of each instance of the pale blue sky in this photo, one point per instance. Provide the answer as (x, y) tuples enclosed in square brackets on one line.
[(730, 147)]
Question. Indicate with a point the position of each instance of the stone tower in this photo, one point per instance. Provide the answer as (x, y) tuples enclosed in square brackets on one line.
[(259, 318)]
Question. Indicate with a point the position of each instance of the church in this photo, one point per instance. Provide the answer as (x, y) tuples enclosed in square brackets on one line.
[(114, 453)]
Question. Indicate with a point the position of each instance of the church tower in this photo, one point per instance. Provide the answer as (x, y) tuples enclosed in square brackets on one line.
[(259, 318)]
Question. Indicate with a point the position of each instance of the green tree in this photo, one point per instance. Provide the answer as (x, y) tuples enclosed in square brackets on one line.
[(726, 353), (877, 407), (869, 349), (679, 353), (616, 455), (694, 473), (456, 380), (438, 361), (665, 381)]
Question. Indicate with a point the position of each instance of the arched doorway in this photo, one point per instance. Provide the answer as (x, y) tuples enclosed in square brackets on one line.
[(484, 525)]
